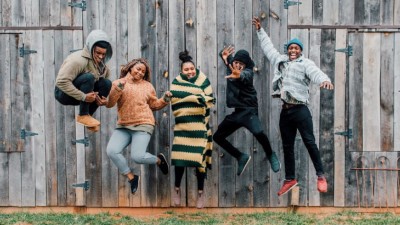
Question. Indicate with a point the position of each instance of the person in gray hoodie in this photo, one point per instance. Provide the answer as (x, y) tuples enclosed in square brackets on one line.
[(293, 74), (83, 78)]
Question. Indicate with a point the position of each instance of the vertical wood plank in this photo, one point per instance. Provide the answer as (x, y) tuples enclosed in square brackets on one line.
[(207, 63), (244, 140), (66, 11), (32, 8), (44, 13), (4, 184), (346, 12), (396, 89), (327, 114), (387, 91), (396, 13), (162, 135), (371, 92), (60, 53), (359, 15), (190, 36), (176, 43), (305, 12), (314, 54), (5, 94), (331, 12), (17, 13), (293, 13), (279, 39), (114, 17), (356, 80), (55, 12), (227, 164), (262, 171), (339, 118), (49, 74), (318, 7), (387, 12)]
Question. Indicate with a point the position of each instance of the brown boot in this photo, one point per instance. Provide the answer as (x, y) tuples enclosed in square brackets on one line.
[(87, 120), (94, 129)]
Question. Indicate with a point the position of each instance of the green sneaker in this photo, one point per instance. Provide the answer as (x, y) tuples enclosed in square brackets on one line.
[(274, 161)]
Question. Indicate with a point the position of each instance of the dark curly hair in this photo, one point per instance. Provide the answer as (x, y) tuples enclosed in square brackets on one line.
[(185, 57), (125, 69)]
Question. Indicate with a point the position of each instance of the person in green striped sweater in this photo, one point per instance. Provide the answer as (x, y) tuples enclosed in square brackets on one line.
[(192, 98)]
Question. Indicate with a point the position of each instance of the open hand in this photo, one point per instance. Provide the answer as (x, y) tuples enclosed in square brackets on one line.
[(227, 52), (235, 72), (327, 85), (168, 94), (256, 22)]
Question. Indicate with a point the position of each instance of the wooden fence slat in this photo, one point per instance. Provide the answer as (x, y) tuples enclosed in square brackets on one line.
[(50, 128), (17, 13), (339, 119), (227, 164), (387, 91), (371, 91), (207, 60), (262, 167), (346, 12), (176, 32), (396, 13), (279, 39), (387, 12), (305, 12), (5, 94), (55, 12), (314, 53), (396, 89), (331, 12), (318, 12), (327, 114)]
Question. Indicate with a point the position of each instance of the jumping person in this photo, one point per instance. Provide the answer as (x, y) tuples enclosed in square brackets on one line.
[(192, 98), (136, 100), (83, 78), (292, 75), (242, 96)]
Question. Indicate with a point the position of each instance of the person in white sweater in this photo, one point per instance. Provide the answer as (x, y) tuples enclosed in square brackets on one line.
[(293, 74)]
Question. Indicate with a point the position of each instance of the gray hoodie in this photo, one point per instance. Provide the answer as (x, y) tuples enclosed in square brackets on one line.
[(80, 62)]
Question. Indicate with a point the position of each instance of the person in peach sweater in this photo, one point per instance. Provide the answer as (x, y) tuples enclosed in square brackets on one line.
[(136, 100)]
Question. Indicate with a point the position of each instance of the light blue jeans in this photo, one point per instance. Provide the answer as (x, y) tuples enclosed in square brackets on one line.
[(120, 139)]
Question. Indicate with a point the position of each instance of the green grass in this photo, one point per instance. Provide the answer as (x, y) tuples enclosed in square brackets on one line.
[(200, 218)]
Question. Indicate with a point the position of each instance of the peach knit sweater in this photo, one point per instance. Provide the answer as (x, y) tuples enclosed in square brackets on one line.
[(136, 102)]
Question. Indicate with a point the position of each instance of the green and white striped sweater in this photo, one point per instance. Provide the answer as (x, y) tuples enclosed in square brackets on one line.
[(191, 102)]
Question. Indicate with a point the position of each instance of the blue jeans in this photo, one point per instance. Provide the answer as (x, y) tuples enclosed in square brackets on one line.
[(241, 117), (139, 141), (86, 83), (291, 120)]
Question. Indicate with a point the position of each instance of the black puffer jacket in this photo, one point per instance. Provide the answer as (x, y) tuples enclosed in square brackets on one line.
[(240, 93)]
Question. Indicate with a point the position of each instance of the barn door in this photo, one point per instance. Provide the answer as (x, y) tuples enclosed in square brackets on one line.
[(372, 115)]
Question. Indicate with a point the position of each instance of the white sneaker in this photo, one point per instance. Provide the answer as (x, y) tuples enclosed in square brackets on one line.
[(200, 199), (176, 196)]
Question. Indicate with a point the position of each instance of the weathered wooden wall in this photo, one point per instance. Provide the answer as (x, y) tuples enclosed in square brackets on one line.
[(361, 170)]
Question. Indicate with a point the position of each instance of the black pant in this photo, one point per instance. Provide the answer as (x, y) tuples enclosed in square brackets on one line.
[(86, 83), (291, 120), (241, 117), (179, 170)]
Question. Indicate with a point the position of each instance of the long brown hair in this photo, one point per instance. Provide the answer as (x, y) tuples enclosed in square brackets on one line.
[(125, 69)]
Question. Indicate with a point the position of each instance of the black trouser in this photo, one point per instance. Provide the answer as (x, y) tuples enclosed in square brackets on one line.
[(241, 117), (86, 83), (291, 120), (179, 170)]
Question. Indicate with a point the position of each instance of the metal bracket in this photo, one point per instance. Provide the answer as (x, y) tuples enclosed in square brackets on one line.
[(85, 185), (23, 51), (348, 50), (84, 141), (287, 3), (348, 133), (81, 5), (24, 133)]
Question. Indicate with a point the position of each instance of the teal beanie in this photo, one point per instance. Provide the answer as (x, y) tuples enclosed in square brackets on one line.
[(295, 41)]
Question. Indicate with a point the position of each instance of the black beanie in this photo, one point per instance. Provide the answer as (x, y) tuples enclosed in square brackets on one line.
[(244, 57)]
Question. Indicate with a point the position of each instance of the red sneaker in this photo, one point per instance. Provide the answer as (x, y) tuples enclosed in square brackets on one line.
[(287, 186), (322, 186)]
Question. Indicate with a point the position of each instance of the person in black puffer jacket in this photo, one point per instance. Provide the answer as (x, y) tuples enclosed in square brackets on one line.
[(242, 96)]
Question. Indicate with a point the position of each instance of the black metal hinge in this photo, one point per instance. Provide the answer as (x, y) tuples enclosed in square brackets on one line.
[(24, 133), (287, 3), (84, 141), (23, 51), (85, 185), (348, 50), (348, 133), (81, 5)]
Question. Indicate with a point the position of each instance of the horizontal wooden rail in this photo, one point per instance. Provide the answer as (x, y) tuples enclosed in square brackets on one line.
[(44, 28)]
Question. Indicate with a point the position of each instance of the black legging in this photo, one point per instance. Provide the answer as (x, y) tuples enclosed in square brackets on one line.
[(179, 174)]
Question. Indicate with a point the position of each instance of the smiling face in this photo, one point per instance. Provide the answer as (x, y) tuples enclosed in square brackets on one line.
[(188, 69), (99, 54), (294, 51), (138, 71)]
